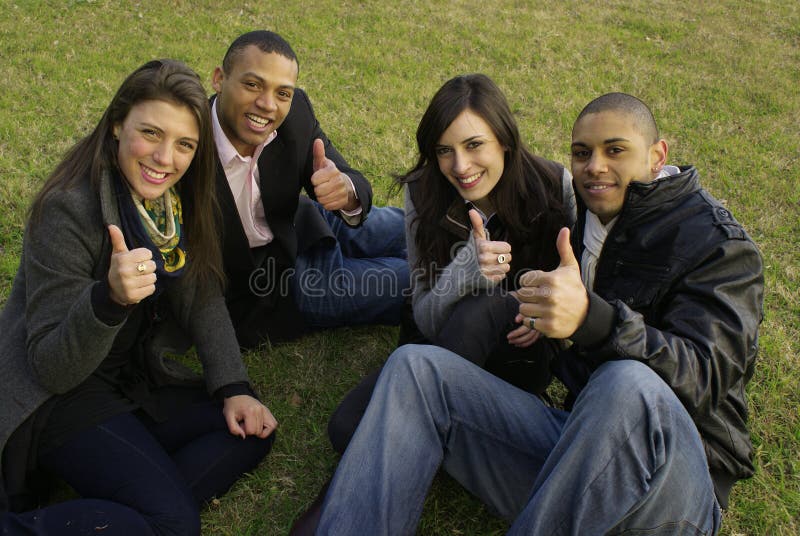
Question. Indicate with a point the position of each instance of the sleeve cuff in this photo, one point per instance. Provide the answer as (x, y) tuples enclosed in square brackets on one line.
[(234, 389), (352, 217), (105, 309), (598, 324)]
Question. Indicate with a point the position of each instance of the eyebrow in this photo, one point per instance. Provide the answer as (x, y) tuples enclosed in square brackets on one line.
[(467, 140), (263, 80), (605, 142)]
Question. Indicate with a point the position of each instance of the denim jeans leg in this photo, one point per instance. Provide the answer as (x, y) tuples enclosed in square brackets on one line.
[(381, 235), (363, 279), (629, 459), (432, 407)]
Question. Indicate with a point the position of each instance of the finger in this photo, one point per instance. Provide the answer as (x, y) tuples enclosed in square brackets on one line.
[(270, 424), (565, 249), (526, 340), (253, 424), (325, 176), (490, 266), (328, 182), (141, 255), (477, 224), (495, 247), (518, 332), (320, 160), (530, 278), (117, 240), (233, 425)]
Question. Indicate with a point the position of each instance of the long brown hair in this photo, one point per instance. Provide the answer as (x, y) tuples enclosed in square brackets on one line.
[(527, 197), (96, 154)]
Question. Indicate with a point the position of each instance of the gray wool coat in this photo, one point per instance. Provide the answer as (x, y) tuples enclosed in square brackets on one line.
[(51, 339)]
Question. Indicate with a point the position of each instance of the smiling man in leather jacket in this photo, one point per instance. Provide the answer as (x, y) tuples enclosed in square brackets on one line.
[(660, 293)]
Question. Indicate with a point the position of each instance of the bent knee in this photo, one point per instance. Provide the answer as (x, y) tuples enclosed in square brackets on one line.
[(625, 382), (179, 517)]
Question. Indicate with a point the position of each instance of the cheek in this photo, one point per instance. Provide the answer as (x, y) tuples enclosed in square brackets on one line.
[(184, 161), (133, 149)]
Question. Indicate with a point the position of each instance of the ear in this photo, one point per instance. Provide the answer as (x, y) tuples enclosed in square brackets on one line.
[(658, 157), (115, 131), (216, 79)]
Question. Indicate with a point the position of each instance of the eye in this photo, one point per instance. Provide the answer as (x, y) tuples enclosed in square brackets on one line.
[(443, 151), (187, 146), (285, 95), (580, 154), (474, 144), (250, 85), (615, 150), (150, 133)]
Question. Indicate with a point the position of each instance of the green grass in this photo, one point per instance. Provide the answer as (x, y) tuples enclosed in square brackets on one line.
[(722, 78)]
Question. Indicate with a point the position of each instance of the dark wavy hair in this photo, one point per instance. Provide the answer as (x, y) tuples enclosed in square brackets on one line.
[(169, 81), (527, 197)]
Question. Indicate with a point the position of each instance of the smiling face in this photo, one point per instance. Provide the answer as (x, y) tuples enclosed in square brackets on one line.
[(157, 142), (608, 153), (471, 158), (254, 98)]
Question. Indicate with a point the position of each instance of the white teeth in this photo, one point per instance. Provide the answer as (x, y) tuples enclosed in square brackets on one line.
[(258, 120), (471, 178), (153, 173), (598, 187)]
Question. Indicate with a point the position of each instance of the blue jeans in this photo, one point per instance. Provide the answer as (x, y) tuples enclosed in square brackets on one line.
[(142, 478), (361, 280), (627, 458)]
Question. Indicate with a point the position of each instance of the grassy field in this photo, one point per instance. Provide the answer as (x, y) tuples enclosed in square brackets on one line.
[(722, 78)]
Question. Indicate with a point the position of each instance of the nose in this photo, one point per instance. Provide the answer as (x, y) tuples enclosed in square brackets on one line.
[(596, 163), (266, 101), (163, 154), (460, 163)]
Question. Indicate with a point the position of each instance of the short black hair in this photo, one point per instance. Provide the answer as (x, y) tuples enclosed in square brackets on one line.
[(265, 40), (628, 104)]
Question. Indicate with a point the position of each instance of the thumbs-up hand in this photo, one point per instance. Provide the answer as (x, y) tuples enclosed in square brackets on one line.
[(494, 257), (333, 189), (131, 275), (557, 301)]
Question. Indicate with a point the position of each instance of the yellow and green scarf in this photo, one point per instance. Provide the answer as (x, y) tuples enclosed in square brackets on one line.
[(156, 225)]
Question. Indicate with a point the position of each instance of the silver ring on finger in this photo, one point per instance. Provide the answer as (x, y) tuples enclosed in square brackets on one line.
[(531, 322), (501, 259), (141, 267)]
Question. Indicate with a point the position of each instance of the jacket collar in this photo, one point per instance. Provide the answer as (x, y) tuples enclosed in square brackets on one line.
[(108, 200), (644, 198)]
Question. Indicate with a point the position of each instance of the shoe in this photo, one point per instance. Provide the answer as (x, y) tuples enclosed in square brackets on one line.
[(307, 523)]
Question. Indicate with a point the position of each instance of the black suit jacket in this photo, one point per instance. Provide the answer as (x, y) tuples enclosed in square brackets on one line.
[(258, 293)]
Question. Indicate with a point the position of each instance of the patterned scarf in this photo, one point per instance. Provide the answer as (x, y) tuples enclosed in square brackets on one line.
[(156, 225)]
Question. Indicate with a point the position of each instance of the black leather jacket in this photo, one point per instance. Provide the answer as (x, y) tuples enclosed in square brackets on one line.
[(679, 286)]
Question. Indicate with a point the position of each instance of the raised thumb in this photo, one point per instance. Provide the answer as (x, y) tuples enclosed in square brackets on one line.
[(565, 248), (320, 160), (117, 240), (477, 224)]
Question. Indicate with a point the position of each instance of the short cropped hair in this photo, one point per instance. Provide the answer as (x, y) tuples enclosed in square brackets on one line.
[(265, 40), (628, 104)]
